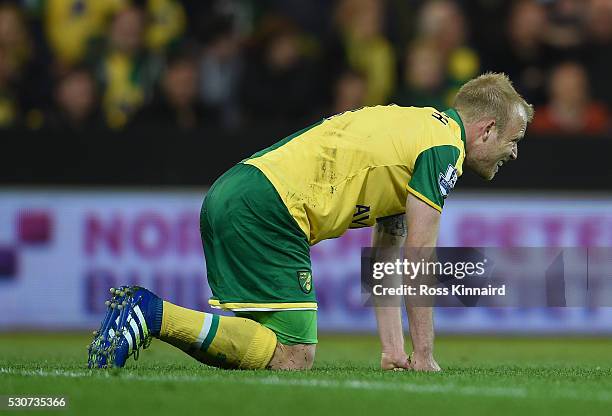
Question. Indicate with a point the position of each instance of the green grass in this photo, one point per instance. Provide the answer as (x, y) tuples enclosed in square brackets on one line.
[(500, 376)]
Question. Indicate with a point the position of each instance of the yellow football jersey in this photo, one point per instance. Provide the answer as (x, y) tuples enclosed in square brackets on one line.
[(353, 168)]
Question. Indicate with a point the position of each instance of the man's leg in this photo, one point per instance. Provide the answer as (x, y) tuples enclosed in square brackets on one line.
[(256, 257), (293, 357), (296, 334), (240, 342), (281, 340), (220, 341)]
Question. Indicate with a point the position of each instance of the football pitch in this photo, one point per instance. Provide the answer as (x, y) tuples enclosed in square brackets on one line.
[(483, 375)]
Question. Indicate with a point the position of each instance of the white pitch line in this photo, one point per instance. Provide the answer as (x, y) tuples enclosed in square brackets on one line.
[(348, 384)]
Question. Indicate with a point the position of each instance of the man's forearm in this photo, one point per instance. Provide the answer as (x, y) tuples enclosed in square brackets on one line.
[(387, 238), (423, 225), (422, 335), (419, 308), (389, 321), (389, 310), (393, 355), (420, 319)]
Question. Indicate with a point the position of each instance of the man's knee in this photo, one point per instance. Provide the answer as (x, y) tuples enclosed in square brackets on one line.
[(293, 357)]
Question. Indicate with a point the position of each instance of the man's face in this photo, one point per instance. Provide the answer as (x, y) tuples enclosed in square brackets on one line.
[(492, 149)]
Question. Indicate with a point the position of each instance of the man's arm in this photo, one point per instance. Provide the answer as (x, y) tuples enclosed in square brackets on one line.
[(419, 235), (390, 233), (423, 223)]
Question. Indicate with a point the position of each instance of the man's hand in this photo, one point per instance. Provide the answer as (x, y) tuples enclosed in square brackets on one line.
[(395, 361), (401, 361), (423, 363)]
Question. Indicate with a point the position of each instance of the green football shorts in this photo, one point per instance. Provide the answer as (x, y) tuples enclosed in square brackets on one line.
[(257, 257)]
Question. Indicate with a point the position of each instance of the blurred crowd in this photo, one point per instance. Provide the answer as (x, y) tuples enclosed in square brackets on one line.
[(115, 64)]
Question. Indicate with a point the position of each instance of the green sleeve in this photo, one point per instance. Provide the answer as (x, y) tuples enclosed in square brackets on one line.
[(434, 175)]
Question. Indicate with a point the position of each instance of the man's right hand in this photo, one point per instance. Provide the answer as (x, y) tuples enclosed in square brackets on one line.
[(395, 361)]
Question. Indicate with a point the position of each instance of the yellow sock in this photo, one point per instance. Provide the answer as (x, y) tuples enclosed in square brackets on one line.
[(220, 341)]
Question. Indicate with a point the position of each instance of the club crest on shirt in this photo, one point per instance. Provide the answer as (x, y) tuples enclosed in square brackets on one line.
[(447, 180), (305, 280)]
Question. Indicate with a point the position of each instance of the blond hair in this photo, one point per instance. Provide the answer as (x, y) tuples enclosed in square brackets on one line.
[(491, 95)]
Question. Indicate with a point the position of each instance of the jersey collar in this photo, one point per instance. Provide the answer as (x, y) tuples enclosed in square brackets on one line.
[(452, 113)]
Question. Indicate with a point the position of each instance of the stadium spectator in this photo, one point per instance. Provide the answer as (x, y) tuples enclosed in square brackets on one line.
[(27, 62), (424, 78), (486, 20), (312, 15), (570, 109), (220, 69), (76, 102), (166, 24), (280, 81), (442, 24), (9, 106), (177, 105), (14, 38), (16, 56), (72, 26), (126, 71), (289, 74), (524, 55), (566, 29), (367, 50), (350, 92), (599, 47)]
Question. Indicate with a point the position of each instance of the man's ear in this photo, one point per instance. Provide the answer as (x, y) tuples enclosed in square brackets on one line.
[(487, 127)]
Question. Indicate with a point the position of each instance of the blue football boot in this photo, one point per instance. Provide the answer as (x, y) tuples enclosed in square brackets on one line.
[(132, 319)]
